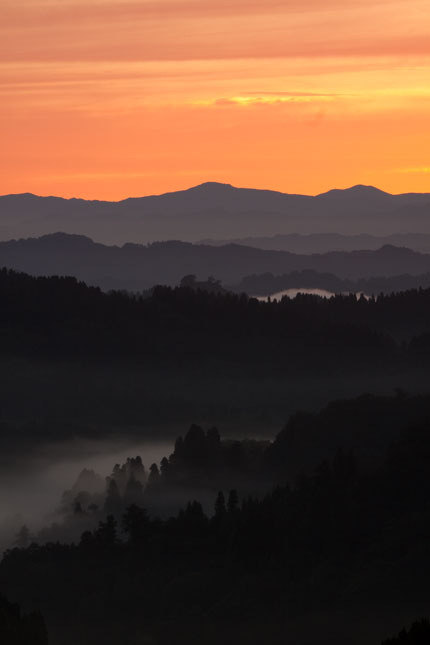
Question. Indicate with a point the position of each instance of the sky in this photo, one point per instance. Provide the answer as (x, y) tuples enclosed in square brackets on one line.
[(105, 99)]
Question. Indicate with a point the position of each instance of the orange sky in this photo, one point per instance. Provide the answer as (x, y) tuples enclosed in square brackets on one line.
[(110, 98)]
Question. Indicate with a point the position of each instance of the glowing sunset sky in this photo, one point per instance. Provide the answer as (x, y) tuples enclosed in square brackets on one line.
[(110, 98)]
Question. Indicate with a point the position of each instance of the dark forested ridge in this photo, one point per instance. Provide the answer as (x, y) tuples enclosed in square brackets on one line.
[(66, 317), (135, 267), (87, 357), (343, 540)]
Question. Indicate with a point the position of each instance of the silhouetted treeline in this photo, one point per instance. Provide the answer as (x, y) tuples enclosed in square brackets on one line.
[(417, 634), (335, 539), (202, 462)]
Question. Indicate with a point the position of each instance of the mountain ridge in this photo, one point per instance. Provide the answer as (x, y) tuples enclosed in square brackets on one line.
[(218, 211), (206, 185)]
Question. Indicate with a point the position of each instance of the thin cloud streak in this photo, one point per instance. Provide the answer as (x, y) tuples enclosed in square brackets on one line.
[(208, 30), (416, 171), (19, 13)]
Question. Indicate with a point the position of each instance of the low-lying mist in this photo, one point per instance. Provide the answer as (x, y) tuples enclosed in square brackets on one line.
[(31, 486)]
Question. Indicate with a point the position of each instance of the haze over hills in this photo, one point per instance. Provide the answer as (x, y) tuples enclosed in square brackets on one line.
[(137, 267), (324, 242), (218, 211)]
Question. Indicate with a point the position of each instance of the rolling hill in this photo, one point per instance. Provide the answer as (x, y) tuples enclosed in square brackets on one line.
[(136, 267)]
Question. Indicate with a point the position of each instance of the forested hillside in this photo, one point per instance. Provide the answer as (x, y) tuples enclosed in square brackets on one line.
[(89, 362)]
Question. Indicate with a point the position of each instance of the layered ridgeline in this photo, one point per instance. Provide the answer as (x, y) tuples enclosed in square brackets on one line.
[(324, 242), (136, 267), (94, 363), (218, 211)]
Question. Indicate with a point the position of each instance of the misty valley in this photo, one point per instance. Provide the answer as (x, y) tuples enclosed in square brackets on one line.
[(216, 540), (191, 464), (219, 441)]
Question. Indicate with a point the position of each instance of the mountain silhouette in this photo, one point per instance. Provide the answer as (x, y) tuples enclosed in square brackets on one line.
[(219, 211)]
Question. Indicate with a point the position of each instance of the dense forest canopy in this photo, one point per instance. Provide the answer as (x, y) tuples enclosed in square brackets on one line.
[(66, 316)]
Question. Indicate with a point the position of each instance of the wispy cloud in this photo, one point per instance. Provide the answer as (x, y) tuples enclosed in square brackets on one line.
[(423, 170), (202, 30), (268, 98)]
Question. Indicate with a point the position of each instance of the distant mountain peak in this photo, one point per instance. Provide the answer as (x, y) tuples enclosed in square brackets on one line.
[(358, 189), (60, 239), (362, 188), (212, 185), (392, 249)]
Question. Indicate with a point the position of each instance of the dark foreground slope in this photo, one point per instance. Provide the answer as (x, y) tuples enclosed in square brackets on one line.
[(19, 629), (341, 555), (88, 362)]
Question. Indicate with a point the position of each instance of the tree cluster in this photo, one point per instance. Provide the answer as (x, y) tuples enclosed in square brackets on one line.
[(336, 535)]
